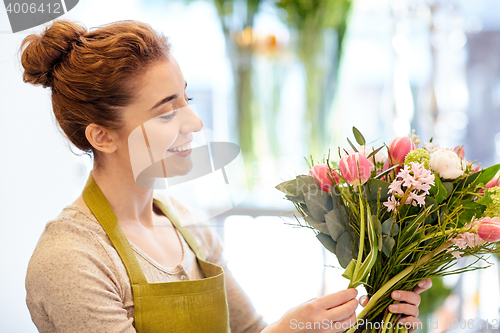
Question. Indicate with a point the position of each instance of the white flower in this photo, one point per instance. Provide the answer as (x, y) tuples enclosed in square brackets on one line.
[(447, 164)]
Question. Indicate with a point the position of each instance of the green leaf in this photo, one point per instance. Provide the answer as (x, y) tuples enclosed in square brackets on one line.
[(388, 245), (336, 221), (432, 217), (349, 270), (327, 242), (301, 185), (488, 174), (375, 185), (438, 190), (352, 146), (471, 209), (344, 250), (449, 189), (296, 198), (485, 200), (387, 225), (320, 226), (360, 139), (318, 203), (281, 187), (373, 153), (482, 176)]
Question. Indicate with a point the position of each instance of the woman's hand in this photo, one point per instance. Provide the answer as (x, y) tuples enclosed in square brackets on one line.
[(331, 313), (409, 301)]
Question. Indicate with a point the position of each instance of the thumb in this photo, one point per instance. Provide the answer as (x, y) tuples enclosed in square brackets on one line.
[(363, 300)]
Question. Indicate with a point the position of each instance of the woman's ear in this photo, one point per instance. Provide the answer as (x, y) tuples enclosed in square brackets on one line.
[(101, 139)]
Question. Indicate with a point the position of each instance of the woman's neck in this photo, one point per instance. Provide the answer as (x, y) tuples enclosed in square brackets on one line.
[(131, 203)]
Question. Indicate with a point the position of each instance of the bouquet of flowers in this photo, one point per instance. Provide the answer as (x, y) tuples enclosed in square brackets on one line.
[(393, 220)]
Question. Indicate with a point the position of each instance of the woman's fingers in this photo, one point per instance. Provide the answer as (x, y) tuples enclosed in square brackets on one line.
[(412, 323), (332, 300), (406, 296), (343, 311), (423, 286), (407, 309)]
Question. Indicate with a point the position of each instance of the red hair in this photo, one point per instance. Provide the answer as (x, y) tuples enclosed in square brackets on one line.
[(92, 74)]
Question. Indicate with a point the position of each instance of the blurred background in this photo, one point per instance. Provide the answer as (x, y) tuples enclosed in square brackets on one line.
[(285, 79)]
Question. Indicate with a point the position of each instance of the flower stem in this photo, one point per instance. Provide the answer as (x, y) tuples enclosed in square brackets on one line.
[(361, 238), (386, 321), (389, 284), (447, 232)]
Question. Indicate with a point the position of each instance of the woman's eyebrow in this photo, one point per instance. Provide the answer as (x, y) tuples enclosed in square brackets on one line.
[(167, 99)]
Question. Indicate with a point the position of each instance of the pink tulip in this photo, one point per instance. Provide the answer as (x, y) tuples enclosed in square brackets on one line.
[(460, 151), (489, 229), (493, 182), (355, 169), (399, 148), (321, 172)]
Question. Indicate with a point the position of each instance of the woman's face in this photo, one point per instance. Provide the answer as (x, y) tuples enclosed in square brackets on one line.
[(159, 124)]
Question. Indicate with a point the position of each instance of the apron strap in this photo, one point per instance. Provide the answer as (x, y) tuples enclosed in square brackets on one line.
[(184, 232), (99, 206)]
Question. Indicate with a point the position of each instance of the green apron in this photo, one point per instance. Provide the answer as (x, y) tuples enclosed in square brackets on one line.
[(180, 306)]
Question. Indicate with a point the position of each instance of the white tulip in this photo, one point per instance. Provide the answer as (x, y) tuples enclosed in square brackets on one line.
[(447, 164)]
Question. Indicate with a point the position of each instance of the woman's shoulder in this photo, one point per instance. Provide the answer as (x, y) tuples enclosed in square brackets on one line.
[(73, 227), (73, 236)]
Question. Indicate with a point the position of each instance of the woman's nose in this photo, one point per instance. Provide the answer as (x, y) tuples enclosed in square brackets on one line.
[(192, 122)]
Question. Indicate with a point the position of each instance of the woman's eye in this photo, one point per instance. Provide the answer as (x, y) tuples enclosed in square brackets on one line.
[(169, 116), (189, 99)]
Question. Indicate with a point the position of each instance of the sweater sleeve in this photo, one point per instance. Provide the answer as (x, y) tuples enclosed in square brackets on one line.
[(70, 286)]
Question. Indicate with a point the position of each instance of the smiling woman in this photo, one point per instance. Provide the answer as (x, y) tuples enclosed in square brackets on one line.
[(117, 259)]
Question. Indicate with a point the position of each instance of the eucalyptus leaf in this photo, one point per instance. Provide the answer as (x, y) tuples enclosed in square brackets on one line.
[(360, 139), (296, 198), (301, 185), (388, 245), (344, 250), (304, 207), (318, 203), (336, 221), (281, 187), (320, 226), (387, 225), (327, 242)]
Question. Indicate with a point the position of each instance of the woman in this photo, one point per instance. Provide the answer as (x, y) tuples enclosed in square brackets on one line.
[(117, 259)]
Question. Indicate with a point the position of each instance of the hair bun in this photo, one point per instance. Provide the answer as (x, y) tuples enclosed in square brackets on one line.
[(42, 52)]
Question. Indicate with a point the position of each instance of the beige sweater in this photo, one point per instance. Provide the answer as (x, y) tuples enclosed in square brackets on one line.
[(76, 282)]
